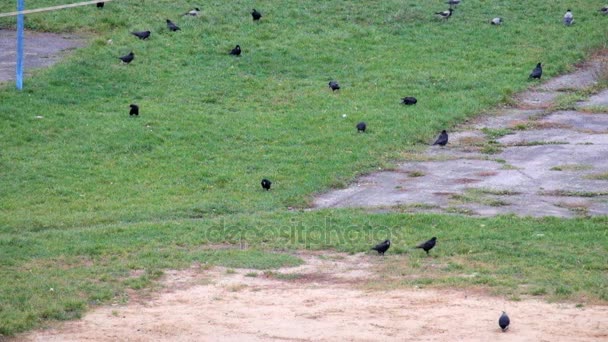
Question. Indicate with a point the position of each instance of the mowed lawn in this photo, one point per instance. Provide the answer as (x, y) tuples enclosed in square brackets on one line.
[(88, 194)]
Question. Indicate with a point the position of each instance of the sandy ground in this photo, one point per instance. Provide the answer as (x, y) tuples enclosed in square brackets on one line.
[(328, 301)]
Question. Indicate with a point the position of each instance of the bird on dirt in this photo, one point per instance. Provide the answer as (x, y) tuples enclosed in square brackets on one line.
[(256, 15), (134, 110), (428, 245), (193, 12), (537, 72), (445, 14), (266, 184), (127, 58), (171, 26), (382, 247), (568, 18), (333, 85), (236, 51), (100, 4), (409, 100), (361, 126), (143, 35), (604, 10), (442, 140), (504, 321), (496, 21)]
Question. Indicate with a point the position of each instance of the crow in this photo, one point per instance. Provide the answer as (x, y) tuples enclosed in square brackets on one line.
[(134, 110), (496, 21), (445, 14), (382, 246), (442, 140), (171, 26), (537, 72), (193, 12), (100, 4), (333, 85), (504, 321), (256, 15), (236, 51), (409, 100), (428, 245), (141, 34), (361, 126), (266, 184), (568, 18), (604, 10), (127, 58)]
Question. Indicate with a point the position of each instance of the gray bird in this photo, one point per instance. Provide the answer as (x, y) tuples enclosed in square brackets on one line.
[(171, 26), (193, 12), (604, 10), (134, 110), (266, 184), (428, 245), (568, 18), (496, 21), (333, 85), (442, 140), (128, 58), (236, 51), (504, 321), (361, 126), (409, 100), (445, 14), (256, 15), (143, 35), (382, 247), (537, 72)]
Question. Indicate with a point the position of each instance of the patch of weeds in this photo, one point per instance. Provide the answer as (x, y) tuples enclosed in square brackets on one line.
[(598, 176), (230, 271), (538, 143), (496, 133), (593, 109), (509, 167), (567, 101), (492, 147), (478, 196), (579, 209), (415, 173), (571, 193), (497, 192), (563, 290), (539, 291), (236, 287), (459, 210), (571, 167), (251, 274)]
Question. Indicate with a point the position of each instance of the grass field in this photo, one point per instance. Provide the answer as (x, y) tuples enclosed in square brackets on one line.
[(88, 194)]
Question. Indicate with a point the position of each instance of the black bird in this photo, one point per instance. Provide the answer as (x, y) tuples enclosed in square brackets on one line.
[(236, 51), (442, 140), (382, 246), (134, 110), (141, 34), (453, 2), (496, 21), (266, 184), (504, 321), (172, 26), (333, 85), (537, 72), (428, 245), (256, 15), (604, 10), (409, 100), (193, 12), (100, 4), (128, 58), (445, 14), (361, 126)]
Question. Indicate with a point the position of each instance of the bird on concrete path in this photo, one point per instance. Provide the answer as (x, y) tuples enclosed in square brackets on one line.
[(428, 245), (442, 140), (100, 4), (361, 126), (171, 26), (604, 10), (496, 21), (193, 12), (568, 18), (256, 15), (445, 14), (134, 110), (382, 247), (266, 184), (409, 100), (236, 51), (504, 321), (537, 72), (127, 58), (141, 34), (333, 85)]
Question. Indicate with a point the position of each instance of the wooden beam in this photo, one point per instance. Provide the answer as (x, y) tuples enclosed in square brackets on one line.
[(53, 8)]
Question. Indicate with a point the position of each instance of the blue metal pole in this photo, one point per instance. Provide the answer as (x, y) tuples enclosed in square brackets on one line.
[(20, 55)]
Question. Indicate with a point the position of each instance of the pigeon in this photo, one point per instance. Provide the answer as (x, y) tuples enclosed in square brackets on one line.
[(496, 21), (382, 246), (409, 100), (127, 58), (134, 110), (256, 15), (236, 51), (568, 18), (266, 184), (504, 321), (141, 34), (193, 12), (445, 14), (333, 85), (604, 10), (442, 140), (453, 2), (428, 245), (100, 4), (172, 26), (537, 72), (361, 126)]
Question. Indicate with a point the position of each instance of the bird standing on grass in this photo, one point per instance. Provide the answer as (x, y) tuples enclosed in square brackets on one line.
[(143, 35), (171, 26), (134, 110), (453, 2), (445, 14), (236, 51), (128, 58), (604, 10), (537, 72), (266, 184), (568, 18), (333, 85), (442, 140), (193, 12), (496, 21), (428, 245), (256, 15), (409, 100), (504, 322), (382, 247), (361, 126), (100, 4)]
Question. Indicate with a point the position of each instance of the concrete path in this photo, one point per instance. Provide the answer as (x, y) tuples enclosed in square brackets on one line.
[(530, 159)]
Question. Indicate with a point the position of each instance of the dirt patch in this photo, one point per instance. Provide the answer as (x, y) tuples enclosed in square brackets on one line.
[(244, 305)]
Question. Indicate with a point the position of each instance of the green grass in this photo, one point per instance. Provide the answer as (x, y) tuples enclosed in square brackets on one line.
[(93, 202)]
